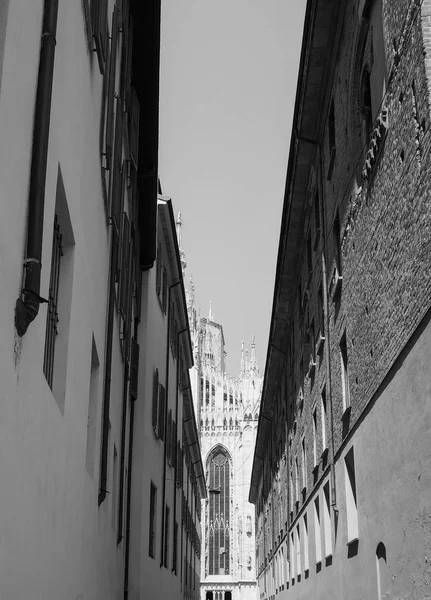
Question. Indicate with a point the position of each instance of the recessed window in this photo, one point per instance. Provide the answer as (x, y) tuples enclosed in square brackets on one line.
[(306, 552), (315, 459), (344, 372), (166, 543), (327, 528), (152, 528), (323, 418), (317, 531), (351, 499), (304, 463), (55, 361)]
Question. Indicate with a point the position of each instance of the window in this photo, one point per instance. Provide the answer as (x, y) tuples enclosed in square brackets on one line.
[(320, 312), (382, 574), (153, 507), (166, 546), (327, 528), (317, 531), (304, 464), (315, 460), (114, 487), (296, 480), (99, 25), (344, 372), (323, 419), (159, 270), (306, 553), (92, 410), (365, 105), (175, 549), (164, 290), (159, 407), (336, 234), (292, 555), (59, 298), (309, 256), (351, 500), (219, 516), (298, 553)]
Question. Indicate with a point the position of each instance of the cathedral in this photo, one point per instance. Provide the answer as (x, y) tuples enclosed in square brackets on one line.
[(227, 413)]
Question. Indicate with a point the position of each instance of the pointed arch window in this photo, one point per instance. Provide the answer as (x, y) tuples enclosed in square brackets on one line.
[(219, 512)]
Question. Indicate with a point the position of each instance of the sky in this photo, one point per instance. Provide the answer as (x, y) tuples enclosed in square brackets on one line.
[(228, 83)]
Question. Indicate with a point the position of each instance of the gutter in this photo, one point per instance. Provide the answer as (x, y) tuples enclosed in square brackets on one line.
[(27, 305)]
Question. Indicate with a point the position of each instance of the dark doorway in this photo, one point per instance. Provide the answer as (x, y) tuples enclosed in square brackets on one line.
[(209, 596), (228, 596)]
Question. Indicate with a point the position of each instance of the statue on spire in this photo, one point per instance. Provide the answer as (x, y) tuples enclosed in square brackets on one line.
[(179, 224)]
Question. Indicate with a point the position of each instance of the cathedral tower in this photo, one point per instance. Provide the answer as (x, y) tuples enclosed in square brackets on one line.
[(227, 411)]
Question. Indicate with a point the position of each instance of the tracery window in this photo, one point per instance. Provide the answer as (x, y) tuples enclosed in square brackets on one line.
[(219, 512)]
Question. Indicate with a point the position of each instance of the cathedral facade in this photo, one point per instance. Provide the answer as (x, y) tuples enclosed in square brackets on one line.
[(227, 413)]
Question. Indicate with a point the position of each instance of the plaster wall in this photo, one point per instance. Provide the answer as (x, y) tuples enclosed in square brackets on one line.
[(55, 542), (393, 502)]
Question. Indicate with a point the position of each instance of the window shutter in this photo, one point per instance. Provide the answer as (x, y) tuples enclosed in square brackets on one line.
[(99, 23), (124, 279), (117, 187), (155, 399), (173, 443), (111, 90), (134, 369), (159, 270), (169, 438), (162, 412), (164, 290), (134, 127)]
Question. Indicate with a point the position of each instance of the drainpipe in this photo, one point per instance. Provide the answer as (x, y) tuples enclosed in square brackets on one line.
[(27, 305), (166, 418), (108, 368), (328, 355)]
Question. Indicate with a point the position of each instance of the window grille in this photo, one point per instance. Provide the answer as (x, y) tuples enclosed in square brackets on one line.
[(52, 315), (153, 505)]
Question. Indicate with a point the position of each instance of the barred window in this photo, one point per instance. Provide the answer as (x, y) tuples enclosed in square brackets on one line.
[(219, 512), (153, 507), (52, 316)]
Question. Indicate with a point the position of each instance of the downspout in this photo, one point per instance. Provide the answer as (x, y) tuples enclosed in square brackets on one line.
[(129, 487), (27, 305), (328, 357), (123, 453), (108, 368), (166, 418), (176, 437)]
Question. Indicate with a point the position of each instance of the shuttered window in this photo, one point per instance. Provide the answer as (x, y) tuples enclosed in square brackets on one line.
[(155, 399), (111, 90), (162, 412), (125, 263), (134, 369), (99, 26), (117, 179), (169, 438)]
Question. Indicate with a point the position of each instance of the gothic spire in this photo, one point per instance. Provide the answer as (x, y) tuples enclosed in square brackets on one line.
[(253, 361), (210, 314), (242, 358)]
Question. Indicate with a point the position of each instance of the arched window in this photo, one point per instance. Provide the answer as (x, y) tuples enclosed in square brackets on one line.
[(219, 512), (381, 571)]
